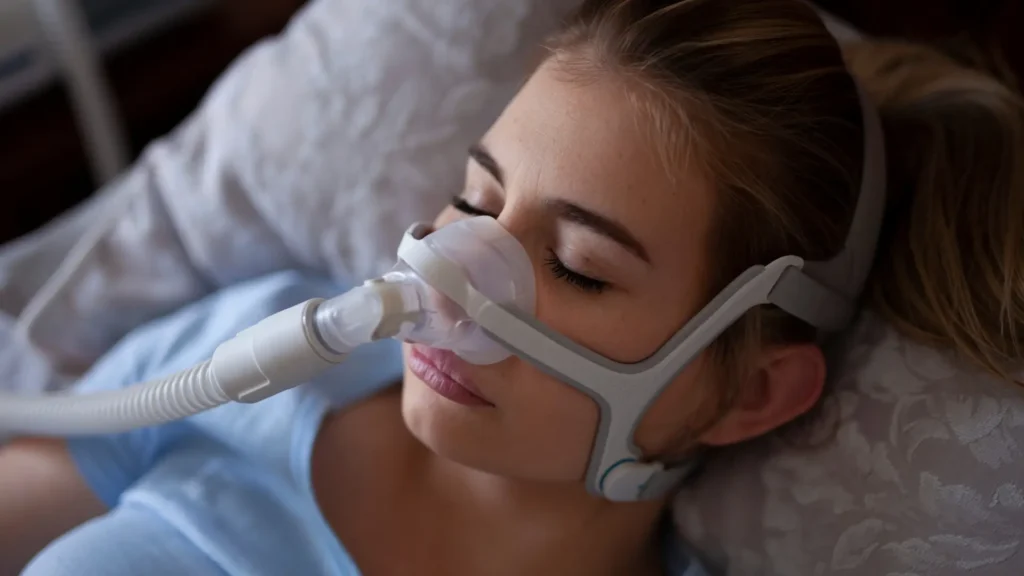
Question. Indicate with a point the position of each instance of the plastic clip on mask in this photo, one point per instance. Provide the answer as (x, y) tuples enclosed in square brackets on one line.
[(480, 267)]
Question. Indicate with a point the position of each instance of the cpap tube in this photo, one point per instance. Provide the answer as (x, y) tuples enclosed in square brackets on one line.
[(292, 347), (280, 352)]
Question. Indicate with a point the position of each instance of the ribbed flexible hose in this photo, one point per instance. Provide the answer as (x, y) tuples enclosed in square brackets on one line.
[(280, 352), (147, 404)]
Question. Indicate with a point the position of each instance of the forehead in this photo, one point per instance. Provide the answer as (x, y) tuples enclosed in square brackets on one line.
[(584, 139)]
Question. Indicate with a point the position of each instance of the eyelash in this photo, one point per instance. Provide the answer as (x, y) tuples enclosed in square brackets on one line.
[(466, 208), (558, 269), (584, 283)]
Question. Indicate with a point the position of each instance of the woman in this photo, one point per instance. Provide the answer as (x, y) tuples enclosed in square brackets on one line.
[(707, 136)]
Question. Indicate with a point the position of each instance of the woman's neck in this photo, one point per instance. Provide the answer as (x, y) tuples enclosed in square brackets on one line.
[(446, 518), (551, 528)]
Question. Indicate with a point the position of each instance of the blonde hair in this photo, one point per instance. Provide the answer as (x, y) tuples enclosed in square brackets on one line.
[(761, 96)]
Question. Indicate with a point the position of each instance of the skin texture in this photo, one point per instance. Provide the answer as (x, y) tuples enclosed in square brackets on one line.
[(497, 489)]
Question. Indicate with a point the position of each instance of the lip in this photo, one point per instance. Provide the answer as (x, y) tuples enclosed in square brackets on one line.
[(444, 372)]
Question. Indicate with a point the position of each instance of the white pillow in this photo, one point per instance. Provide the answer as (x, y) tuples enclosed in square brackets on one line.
[(917, 470), (315, 150)]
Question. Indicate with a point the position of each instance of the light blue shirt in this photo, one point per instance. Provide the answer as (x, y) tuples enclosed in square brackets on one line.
[(226, 492)]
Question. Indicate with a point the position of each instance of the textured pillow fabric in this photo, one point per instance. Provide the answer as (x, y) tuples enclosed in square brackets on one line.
[(914, 467), (314, 150)]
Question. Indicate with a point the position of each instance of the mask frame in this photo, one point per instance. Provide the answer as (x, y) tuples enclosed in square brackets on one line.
[(823, 294)]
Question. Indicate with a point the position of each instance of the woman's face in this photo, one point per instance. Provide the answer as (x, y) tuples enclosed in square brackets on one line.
[(617, 245)]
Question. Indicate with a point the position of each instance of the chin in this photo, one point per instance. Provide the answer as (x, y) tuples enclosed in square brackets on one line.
[(464, 434)]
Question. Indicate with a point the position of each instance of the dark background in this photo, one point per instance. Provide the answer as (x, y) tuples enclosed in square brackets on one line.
[(157, 82)]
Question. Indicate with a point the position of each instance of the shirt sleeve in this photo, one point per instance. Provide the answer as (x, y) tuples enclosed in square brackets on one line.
[(110, 464)]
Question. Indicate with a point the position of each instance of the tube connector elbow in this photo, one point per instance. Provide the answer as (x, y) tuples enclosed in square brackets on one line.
[(383, 308), (280, 352), (294, 346)]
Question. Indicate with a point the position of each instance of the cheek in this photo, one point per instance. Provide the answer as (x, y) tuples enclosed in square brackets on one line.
[(686, 408), (627, 328), (556, 421)]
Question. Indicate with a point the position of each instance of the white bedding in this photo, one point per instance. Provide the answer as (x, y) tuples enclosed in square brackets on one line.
[(315, 150), (318, 147)]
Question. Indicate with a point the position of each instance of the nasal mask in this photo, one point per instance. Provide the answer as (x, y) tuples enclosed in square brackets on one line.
[(470, 288)]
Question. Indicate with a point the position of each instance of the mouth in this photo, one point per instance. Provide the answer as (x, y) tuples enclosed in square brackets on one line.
[(444, 372)]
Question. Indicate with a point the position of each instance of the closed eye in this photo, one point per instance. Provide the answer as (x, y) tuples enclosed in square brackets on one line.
[(563, 272), (466, 208)]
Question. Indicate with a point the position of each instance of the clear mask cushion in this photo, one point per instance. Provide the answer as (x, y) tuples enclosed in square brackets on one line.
[(494, 263)]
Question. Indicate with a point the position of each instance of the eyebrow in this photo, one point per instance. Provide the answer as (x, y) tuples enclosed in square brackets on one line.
[(569, 211), (604, 226), (483, 157)]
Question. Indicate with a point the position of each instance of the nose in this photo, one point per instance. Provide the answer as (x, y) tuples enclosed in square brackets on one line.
[(492, 259), (523, 220), (481, 253)]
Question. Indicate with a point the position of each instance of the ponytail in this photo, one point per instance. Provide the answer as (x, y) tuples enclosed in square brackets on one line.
[(950, 265)]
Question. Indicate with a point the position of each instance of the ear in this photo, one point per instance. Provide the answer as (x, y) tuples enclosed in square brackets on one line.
[(787, 382)]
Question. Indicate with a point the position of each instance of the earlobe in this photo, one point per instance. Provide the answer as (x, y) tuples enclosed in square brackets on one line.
[(788, 382)]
